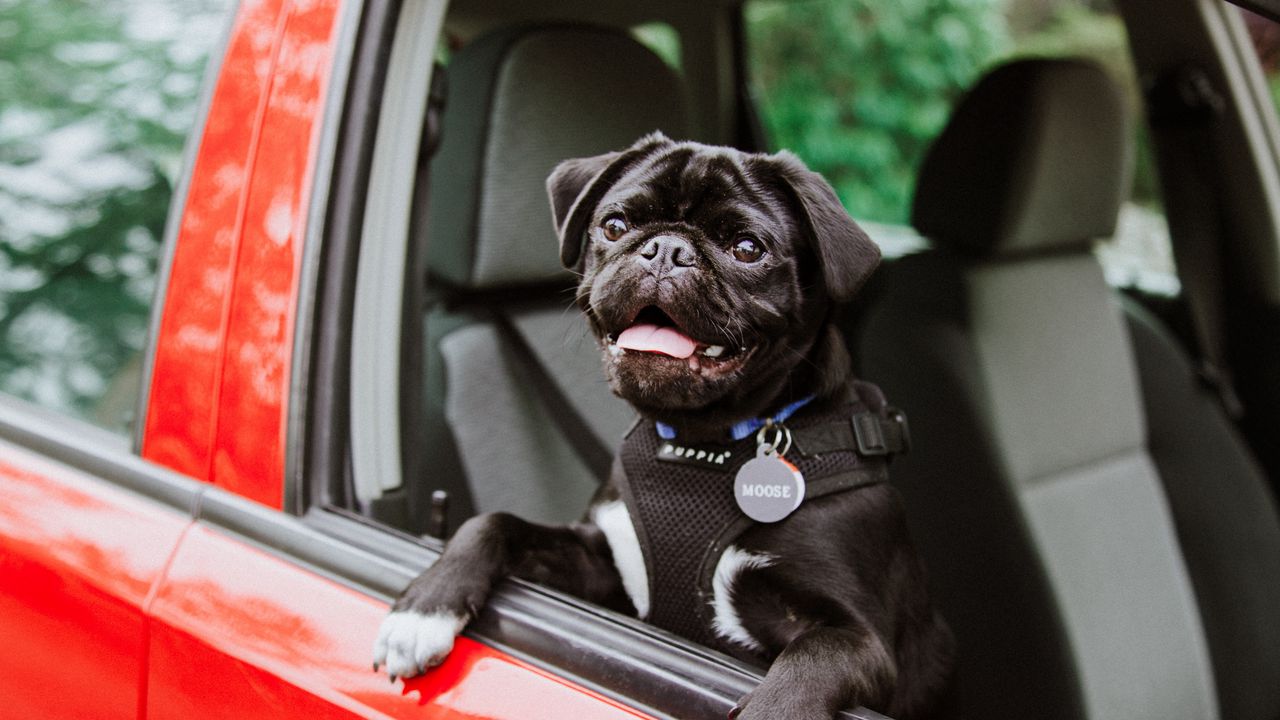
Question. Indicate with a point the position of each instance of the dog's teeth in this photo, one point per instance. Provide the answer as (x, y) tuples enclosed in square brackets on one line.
[(714, 351), (614, 350), (694, 364)]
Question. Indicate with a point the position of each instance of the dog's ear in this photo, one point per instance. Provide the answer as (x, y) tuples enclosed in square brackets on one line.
[(847, 254), (576, 186)]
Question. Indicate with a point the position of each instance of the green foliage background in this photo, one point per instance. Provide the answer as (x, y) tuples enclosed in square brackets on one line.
[(859, 88), (96, 100)]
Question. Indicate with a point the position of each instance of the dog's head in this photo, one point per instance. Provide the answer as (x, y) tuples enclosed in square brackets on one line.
[(708, 275)]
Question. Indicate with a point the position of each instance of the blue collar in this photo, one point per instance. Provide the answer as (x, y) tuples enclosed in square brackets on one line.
[(743, 428)]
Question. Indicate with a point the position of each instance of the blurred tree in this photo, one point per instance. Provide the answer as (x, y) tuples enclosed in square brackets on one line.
[(859, 88), (97, 99)]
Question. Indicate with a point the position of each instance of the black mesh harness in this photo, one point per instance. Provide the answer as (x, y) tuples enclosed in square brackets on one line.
[(681, 498)]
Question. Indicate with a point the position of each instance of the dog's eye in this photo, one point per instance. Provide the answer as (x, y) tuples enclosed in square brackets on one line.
[(614, 226), (747, 249)]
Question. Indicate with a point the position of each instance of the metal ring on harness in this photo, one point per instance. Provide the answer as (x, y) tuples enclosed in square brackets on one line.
[(781, 435)]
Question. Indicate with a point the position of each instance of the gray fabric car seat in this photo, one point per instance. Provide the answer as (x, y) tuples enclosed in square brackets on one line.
[(1097, 535), (519, 101)]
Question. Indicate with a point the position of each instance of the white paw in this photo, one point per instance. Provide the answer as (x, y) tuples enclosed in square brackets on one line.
[(411, 642)]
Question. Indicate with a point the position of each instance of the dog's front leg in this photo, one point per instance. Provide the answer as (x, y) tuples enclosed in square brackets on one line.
[(820, 672), (419, 632)]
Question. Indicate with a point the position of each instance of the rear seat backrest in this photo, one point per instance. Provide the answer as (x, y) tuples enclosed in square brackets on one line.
[(521, 100), (1033, 489)]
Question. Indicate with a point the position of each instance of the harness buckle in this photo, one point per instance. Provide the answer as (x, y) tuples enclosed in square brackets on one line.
[(878, 434)]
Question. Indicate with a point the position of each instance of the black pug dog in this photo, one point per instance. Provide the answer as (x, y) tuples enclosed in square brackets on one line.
[(748, 509)]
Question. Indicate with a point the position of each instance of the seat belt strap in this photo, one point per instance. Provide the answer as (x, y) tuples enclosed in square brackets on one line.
[(1184, 109), (567, 419)]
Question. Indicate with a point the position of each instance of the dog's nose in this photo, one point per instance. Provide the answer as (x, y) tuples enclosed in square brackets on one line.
[(668, 253)]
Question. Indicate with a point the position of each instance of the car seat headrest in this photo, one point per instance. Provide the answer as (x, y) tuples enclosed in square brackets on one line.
[(1035, 158), (520, 101)]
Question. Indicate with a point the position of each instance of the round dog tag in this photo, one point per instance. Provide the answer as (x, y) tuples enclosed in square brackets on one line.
[(768, 487)]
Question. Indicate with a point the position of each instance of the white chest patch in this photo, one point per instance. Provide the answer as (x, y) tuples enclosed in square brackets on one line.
[(727, 623), (615, 522)]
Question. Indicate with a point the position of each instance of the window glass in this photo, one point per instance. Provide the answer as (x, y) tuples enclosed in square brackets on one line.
[(98, 99), (859, 89)]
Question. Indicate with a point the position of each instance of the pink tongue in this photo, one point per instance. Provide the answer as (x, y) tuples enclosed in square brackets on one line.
[(651, 338)]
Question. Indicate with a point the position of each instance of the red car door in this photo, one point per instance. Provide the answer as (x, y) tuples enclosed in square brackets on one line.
[(80, 559), (242, 629)]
